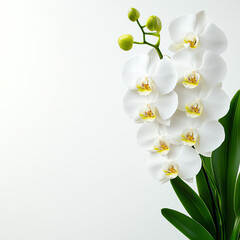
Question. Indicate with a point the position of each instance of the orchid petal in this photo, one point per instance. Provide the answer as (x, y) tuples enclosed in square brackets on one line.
[(154, 61), (201, 22), (167, 105), (179, 122), (185, 95), (189, 162), (135, 68), (155, 167), (213, 39), (213, 69), (211, 136), (184, 58), (147, 135), (132, 102), (215, 104), (165, 77), (180, 26)]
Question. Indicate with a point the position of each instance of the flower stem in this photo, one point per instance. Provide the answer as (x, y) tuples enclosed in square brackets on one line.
[(156, 34)]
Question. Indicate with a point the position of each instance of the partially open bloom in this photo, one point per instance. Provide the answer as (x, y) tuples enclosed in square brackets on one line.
[(196, 33), (203, 103), (151, 82), (210, 71), (204, 136), (181, 161)]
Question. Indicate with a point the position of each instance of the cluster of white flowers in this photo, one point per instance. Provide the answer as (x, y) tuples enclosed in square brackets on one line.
[(179, 100)]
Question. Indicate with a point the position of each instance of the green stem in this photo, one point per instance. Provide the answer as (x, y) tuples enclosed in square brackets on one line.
[(138, 42), (156, 46)]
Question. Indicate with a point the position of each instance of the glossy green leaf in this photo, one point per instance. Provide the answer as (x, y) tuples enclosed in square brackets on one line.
[(237, 195), (236, 229), (225, 160), (189, 227), (204, 191), (194, 205)]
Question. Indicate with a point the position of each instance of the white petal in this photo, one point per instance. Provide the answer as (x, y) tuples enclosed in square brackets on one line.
[(147, 135), (213, 69), (134, 68), (201, 22), (179, 122), (155, 166), (215, 104), (167, 105), (185, 95), (175, 47), (213, 39), (189, 162), (132, 103), (184, 58), (180, 26), (165, 77), (154, 61), (211, 136)]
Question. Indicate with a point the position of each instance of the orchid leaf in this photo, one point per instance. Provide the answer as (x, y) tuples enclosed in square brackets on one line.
[(237, 195), (236, 228), (204, 191), (194, 205), (189, 227), (225, 162)]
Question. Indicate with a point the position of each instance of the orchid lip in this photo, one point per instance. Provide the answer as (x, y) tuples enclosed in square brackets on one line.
[(191, 79), (194, 109), (189, 136), (191, 40), (148, 112), (161, 146), (145, 85), (171, 170)]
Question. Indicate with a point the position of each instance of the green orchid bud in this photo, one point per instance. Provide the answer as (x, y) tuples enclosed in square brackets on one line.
[(133, 14), (125, 42), (154, 23)]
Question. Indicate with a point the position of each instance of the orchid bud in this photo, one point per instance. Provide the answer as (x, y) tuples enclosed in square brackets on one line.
[(125, 42), (154, 23), (133, 14)]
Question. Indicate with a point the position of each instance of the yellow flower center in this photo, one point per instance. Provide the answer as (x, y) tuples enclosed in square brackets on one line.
[(144, 86), (161, 146), (194, 109), (171, 170), (189, 136), (148, 113), (191, 79), (191, 39)]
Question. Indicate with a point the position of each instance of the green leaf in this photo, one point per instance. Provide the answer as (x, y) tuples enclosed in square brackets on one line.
[(225, 161), (194, 205), (236, 228), (204, 191), (237, 195), (189, 227)]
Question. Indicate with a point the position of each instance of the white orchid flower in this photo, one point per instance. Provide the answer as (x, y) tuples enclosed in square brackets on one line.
[(151, 82), (195, 32), (182, 161), (203, 103), (205, 136), (210, 71), (148, 108), (147, 73)]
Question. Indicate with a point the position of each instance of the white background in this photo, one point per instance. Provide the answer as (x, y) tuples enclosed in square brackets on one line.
[(70, 167)]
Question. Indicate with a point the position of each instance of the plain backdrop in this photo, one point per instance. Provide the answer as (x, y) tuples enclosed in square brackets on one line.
[(70, 167)]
